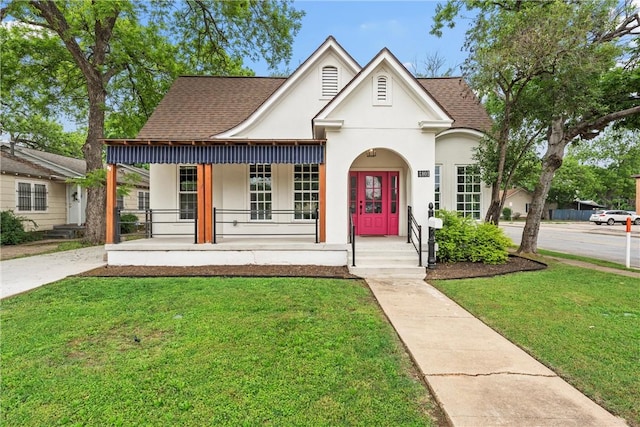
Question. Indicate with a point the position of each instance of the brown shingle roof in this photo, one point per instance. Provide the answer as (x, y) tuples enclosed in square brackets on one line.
[(35, 163), (14, 165), (199, 106), (454, 95)]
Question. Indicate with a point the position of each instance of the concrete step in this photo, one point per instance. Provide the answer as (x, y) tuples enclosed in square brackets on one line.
[(404, 272), (66, 231), (382, 258)]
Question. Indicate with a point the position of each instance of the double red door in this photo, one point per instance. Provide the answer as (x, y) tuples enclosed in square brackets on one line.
[(374, 202)]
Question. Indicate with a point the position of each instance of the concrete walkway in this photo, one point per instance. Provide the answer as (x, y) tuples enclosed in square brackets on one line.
[(478, 377), (22, 274)]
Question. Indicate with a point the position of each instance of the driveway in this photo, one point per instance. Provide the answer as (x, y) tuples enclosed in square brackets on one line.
[(22, 274)]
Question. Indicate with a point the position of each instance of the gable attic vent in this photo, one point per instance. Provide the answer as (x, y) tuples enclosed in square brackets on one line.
[(381, 94), (329, 81), (381, 89)]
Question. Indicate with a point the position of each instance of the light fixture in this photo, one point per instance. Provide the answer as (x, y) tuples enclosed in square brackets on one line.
[(371, 152)]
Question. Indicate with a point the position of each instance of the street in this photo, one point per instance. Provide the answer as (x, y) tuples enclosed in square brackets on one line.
[(583, 238)]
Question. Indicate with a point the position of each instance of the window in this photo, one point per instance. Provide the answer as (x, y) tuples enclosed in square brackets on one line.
[(188, 192), (143, 200), (24, 196), (437, 178), (305, 191), (468, 191), (329, 81), (120, 201), (260, 191), (31, 197)]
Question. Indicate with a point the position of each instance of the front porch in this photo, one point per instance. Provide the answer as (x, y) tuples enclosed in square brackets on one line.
[(375, 256)]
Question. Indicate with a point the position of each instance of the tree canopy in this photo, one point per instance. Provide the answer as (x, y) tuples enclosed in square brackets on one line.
[(560, 69), (107, 63)]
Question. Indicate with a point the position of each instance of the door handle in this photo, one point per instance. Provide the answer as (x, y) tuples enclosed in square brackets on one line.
[(360, 207)]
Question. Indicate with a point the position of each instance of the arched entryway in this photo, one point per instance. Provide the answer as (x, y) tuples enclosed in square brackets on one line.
[(376, 193)]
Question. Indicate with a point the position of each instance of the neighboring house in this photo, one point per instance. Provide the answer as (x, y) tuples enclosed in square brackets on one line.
[(34, 185), (519, 200), (355, 143), (586, 205)]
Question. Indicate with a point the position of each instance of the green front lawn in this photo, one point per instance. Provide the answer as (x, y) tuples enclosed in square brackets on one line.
[(583, 324), (204, 351)]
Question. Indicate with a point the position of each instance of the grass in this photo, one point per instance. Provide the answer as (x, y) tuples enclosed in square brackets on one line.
[(583, 324), (593, 261), (204, 351), (44, 248)]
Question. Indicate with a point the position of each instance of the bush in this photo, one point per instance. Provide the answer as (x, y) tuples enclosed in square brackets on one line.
[(506, 214), (12, 230), (489, 245), (454, 236), (462, 239), (128, 223)]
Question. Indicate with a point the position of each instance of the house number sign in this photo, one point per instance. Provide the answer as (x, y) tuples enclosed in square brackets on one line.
[(423, 174)]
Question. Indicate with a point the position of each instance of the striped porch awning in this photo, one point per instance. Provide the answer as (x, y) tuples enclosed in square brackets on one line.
[(216, 154)]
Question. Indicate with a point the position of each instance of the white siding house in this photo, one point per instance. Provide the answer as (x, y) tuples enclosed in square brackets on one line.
[(254, 157)]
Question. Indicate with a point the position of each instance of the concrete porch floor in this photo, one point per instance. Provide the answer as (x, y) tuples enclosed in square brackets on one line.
[(250, 250)]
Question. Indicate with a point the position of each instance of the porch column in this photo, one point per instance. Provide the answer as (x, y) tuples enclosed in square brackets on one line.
[(205, 206), (208, 205), (112, 185), (322, 203)]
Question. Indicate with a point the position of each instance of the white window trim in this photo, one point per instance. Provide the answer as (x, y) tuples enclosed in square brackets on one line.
[(437, 205), (388, 101), (479, 193), (145, 194), (178, 192), (33, 196), (293, 193), (273, 175)]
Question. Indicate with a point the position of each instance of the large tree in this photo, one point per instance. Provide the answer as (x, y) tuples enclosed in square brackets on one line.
[(121, 56), (612, 158), (562, 74)]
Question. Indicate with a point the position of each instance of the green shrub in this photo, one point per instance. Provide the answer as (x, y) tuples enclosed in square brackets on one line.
[(454, 236), (128, 223), (12, 230), (489, 245), (506, 214), (462, 239)]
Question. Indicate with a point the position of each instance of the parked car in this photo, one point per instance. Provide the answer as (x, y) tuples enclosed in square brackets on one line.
[(610, 217)]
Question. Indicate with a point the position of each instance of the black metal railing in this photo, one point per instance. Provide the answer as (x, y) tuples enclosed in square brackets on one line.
[(237, 217), (352, 240), (140, 223), (414, 234)]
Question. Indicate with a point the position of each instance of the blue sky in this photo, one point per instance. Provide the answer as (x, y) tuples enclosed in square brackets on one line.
[(363, 28)]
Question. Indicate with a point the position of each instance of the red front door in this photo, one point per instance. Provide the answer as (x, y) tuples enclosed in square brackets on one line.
[(374, 202)]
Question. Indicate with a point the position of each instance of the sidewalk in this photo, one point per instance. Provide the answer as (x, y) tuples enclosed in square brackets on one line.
[(22, 274), (478, 377)]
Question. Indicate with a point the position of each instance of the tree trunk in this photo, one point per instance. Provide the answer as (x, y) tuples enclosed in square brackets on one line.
[(495, 207), (92, 149), (551, 162)]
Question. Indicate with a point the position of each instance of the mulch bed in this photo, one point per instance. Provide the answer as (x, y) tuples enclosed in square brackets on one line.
[(466, 270), (457, 270)]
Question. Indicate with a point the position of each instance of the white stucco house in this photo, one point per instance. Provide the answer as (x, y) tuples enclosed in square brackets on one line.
[(267, 162)]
